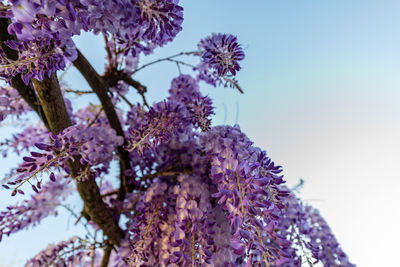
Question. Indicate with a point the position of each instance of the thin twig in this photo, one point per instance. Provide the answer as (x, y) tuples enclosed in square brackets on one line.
[(179, 68), (164, 59), (112, 76), (109, 54), (125, 99), (96, 117), (78, 92), (182, 63), (234, 83), (141, 89), (78, 219)]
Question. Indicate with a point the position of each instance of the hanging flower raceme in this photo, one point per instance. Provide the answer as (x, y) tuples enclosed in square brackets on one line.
[(193, 226), (139, 26), (72, 252), (247, 183), (220, 55), (155, 126), (221, 52), (199, 108), (161, 20), (29, 213), (25, 140), (151, 227), (310, 235), (11, 103), (176, 214), (329, 251), (93, 145), (36, 58), (57, 20)]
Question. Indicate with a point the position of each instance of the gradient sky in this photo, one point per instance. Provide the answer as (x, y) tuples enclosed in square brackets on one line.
[(322, 96)]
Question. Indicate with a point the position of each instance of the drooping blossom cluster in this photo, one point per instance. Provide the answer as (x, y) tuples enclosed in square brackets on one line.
[(25, 140), (176, 224), (30, 212), (152, 21), (95, 145), (185, 90), (11, 103), (184, 107), (249, 190), (157, 126), (330, 252), (45, 29), (92, 145), (311, 235), (37, 133), (58, 20), (222, 53), (189, 194), (35, 58), (220, 56), (72, 252)]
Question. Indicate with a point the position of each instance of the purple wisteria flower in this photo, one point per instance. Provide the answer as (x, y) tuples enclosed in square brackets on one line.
[(155, 126), (36, 58), (161, 19), (308, 231), (95, 146), (29, 213), (11, 103), (25, 140), (137, 25), (199, 109), (221, 52), (72, 252)]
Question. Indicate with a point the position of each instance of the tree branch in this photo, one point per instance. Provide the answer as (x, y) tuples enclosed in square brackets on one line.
[(106, 256), (78, 92), (100, 87), (112, 76), (53, 104)]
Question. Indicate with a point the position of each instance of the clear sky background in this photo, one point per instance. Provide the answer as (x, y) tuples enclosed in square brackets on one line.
[(322, 96)]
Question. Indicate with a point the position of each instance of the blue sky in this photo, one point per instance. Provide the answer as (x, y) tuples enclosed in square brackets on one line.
[(322, 96)]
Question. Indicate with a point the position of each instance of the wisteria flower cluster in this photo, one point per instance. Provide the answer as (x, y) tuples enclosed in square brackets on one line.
[(222, 53), (30, 212), (220, 56), (35, 58), (45, 29), (72, 252), (160, 184), (11, 103), (92, 145), (157, 126), (185, 89)]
